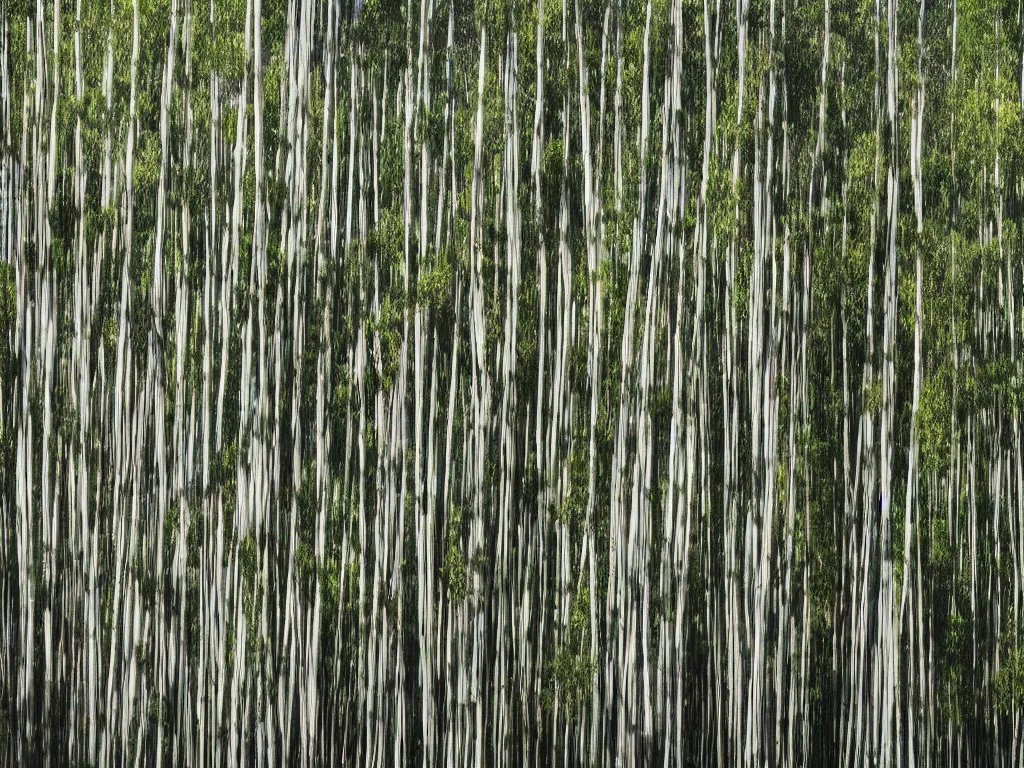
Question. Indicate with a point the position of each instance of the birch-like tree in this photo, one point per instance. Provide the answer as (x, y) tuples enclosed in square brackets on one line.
[(569, 383)]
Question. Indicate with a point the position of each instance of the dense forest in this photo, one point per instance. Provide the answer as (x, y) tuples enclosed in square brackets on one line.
[(465, 383)]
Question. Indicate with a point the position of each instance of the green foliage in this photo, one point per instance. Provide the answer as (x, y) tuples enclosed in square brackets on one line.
[(146, 169), (219, 47), (933, 421), (569, 675), (572, 511), (721, 203), (305, 569), (389, 329), (453, 571), (955, 672), (1008, 681), (435, 287), (252, 586), (342, 395), (940, 555), (382, 20), (8, 296), (873, 396)]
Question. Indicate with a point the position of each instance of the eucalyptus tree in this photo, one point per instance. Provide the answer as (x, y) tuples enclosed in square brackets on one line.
[(443, 383)]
